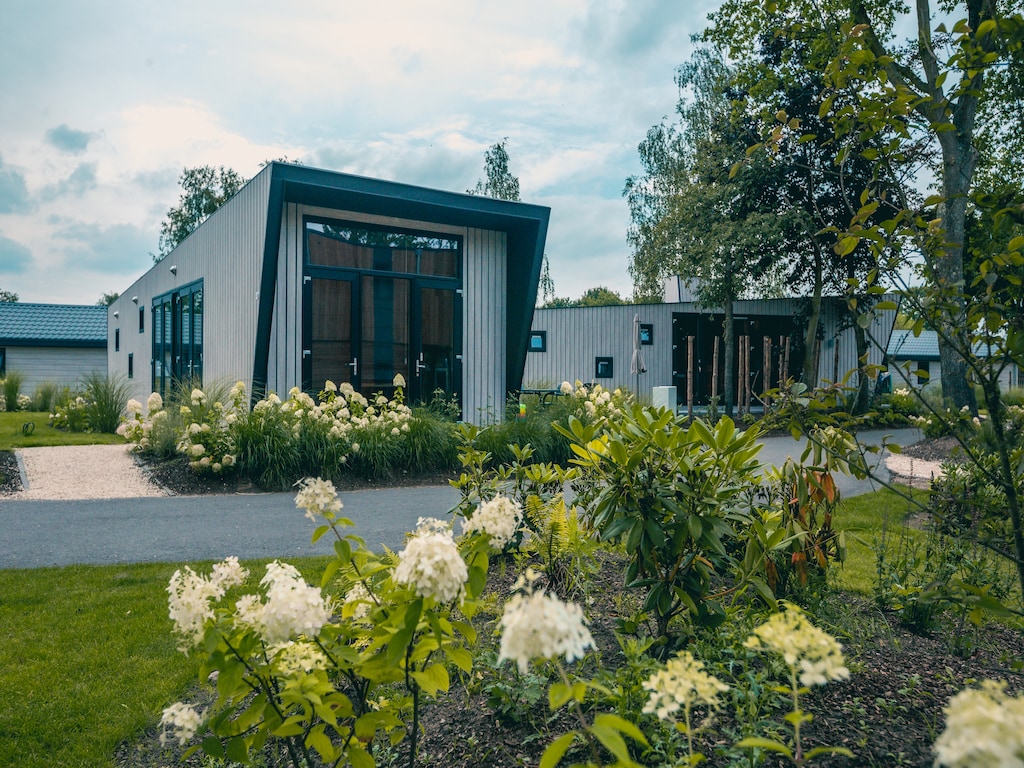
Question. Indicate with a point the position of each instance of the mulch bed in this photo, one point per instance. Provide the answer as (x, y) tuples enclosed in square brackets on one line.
[(10, 477)]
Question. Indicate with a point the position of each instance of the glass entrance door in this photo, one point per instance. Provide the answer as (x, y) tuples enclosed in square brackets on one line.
[(366, 328)]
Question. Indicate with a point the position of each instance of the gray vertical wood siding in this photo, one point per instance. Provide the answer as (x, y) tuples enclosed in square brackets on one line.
[(578, 335), (226, 252), (60, 365)]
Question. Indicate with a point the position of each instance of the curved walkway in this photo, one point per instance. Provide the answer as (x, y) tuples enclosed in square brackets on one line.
[(53, 523)]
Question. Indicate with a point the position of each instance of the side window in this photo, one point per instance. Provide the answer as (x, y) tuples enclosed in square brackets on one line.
[(142, 319), (3, 362), (131, 365), (117, 339)]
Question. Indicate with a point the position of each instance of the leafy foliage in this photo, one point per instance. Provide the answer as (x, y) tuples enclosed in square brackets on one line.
[(204, 189)]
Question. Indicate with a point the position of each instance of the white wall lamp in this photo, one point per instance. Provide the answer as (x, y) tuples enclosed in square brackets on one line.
[(174, 269), (117, 314), (135, 299)]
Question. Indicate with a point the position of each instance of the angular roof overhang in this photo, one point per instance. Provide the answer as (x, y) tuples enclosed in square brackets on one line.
[(525, 227)]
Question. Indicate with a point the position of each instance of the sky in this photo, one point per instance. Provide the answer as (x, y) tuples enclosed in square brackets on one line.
[(102, 103)]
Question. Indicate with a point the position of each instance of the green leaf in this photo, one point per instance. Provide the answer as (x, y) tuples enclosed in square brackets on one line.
[(319, 532), (556, 750), (461, 658), (812, 753), (622, 725), (558, 695), (757, 742), (319, 741), (432, 679), (612, 741), (359, 757)]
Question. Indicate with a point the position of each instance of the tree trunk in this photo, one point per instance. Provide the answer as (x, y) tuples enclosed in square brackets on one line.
[(729, 366), (863, 398), (809, 374)]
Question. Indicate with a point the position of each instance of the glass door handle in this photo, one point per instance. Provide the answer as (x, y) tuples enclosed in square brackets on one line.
[(354, 365), (420, 365)]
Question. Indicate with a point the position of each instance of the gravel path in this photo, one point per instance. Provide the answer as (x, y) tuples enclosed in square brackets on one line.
[(83, 472)]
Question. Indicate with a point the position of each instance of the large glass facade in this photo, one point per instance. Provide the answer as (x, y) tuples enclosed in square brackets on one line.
[(382, 302), (178, 338)]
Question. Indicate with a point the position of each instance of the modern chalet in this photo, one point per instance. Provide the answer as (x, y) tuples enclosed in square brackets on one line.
[(307, 275)]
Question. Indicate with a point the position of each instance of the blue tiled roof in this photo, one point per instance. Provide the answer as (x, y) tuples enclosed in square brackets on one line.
[(904, 345), (53, 324)]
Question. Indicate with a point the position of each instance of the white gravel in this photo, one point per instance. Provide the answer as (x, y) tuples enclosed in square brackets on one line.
[(83, 472), (915, 472)]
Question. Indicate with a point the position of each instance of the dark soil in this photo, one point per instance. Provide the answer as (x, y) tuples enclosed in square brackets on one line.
[(10, 477), (175, 476), (934, 449)]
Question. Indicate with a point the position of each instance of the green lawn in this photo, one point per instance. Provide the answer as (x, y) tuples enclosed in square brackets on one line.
[(864, 518), (12, 435), (88, 659)]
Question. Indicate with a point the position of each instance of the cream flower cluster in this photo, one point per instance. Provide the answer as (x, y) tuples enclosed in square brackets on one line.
[(207, 437), (291, 658), (682, 684), (431, 563), (536, 625), (319, 498), (190, 596), (292, 607), (499, 518), (814, 653), (595, 401), (357, 602), (182, 720), (984, 729)]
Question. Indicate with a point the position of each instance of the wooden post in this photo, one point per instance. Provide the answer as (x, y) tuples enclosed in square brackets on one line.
[(746, 374), (787, 357), (766, 367), (835, 360), (714, 368), (689, 376), (782, 371)]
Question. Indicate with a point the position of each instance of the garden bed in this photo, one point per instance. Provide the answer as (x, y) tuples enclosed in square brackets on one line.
[(888, 713)]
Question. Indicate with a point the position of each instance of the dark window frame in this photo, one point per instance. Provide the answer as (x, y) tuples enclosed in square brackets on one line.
[(117, 339), (131, 365), (142, 319), (538, 341), (646, 334), (604, 367)]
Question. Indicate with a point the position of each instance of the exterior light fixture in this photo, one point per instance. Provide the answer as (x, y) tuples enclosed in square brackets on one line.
[(174, 269), (117, 314), (135, 299)]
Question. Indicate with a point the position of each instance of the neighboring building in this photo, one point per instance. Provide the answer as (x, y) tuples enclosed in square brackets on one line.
[(307, 275), (678, 343), (57, 343), (921, 353), (913, 354)]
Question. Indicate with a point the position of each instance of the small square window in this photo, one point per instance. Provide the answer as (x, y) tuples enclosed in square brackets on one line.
[(538, 341), (646, 333), (142, 319), (117, 339), (131, 365), (603, 367)]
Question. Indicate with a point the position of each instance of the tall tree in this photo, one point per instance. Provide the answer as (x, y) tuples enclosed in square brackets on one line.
[(106, 299), (500, 182), (203, 190), (931, 90), (8, 297)]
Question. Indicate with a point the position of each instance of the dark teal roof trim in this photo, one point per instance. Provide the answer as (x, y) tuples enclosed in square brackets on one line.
[(53, 325), (525, 226)]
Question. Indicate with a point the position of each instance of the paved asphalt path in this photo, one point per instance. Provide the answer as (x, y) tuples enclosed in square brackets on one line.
[(36, 534)]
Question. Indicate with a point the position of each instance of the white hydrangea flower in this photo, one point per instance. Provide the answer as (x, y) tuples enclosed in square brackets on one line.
[(197, 450), (249, 612), (228, 573), (813, 652), (683, 684), (540, 626), (566, 388), (358, 602), (984, 729), (398, 381), (198, 396), (291, 658), (183, 720), (431, 563), (292, 607), (318, 497), (134, 408), (499, 518), (154, 403), (188, 602)]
